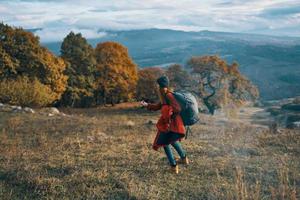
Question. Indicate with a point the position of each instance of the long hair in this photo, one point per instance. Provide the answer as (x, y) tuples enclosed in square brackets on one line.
[(162, 94)]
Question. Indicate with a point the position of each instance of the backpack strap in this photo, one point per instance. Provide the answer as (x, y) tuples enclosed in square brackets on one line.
[(166, 98), (168, 103), (188, 130)]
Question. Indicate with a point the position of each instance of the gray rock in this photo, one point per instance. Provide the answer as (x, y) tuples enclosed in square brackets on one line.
[(29, 110), (1, 104), (90, 138), (54, 111), (130, 123), (18, 108), (6, 109), (51, 110)]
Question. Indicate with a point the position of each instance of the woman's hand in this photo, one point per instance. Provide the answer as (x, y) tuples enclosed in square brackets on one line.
[(144, 104)]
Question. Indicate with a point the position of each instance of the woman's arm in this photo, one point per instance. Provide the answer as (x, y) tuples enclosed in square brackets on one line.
[(154, 106)]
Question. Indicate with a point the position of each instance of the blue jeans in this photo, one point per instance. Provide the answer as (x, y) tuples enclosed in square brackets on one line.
[(170, 156)]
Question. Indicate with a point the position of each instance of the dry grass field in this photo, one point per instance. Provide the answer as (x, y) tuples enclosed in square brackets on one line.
[(106, 153)]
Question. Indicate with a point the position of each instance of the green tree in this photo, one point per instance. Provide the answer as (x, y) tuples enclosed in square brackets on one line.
[(81, 66), (116, 75), (21, 55)]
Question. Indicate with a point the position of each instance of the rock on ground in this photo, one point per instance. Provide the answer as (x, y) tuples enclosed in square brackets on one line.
[(50, 111), (130, 123), (29, 110)]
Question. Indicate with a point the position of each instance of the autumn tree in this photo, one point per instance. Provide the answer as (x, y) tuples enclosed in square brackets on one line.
[(21, 55), (116, 74), (81, 67), (219, 83), (178, 76), (146, 85)]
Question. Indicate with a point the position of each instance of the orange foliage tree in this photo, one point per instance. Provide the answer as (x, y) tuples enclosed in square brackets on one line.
[(116, 74), (22, 56), (220, 83)]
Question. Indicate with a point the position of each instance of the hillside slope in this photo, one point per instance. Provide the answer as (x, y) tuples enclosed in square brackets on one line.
[(106, 153)]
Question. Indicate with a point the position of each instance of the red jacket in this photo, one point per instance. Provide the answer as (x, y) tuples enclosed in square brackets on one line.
[(170, 120)]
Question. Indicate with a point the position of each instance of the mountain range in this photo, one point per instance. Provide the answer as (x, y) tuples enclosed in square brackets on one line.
[(270, 62)]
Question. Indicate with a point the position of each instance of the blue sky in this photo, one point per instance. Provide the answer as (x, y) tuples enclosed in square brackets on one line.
[(58, 17)]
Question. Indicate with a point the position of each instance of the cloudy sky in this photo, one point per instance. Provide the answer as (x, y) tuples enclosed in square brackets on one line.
[(58, 17)]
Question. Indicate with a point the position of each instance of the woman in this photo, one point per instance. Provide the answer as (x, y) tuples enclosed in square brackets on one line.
[(170, 125)]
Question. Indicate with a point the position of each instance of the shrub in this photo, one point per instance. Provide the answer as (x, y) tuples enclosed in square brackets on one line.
[(25, 92)]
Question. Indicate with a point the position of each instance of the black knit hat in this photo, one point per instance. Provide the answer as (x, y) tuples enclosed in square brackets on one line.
[(163, 81)]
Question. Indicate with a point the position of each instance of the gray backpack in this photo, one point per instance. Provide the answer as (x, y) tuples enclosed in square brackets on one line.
[(189, 108)]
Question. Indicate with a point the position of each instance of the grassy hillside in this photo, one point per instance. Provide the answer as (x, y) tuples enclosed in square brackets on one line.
[(105, 153)]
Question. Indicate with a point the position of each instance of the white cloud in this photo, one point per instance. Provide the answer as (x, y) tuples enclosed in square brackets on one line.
[(58, 34), (58, 17)]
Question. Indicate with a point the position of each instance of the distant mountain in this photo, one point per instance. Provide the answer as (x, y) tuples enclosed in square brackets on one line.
[(33, 30), (270, 62)]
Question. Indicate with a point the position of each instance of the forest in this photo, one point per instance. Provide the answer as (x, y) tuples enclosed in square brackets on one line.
[(83, 76)]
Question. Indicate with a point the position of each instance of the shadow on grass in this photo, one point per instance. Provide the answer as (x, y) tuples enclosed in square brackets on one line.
[(59, 172), (20, 187)]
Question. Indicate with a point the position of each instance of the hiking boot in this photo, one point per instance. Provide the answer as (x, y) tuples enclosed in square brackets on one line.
[(175, 169), (184, 160)]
